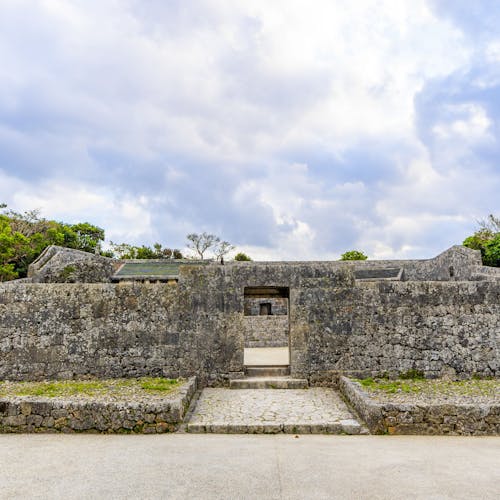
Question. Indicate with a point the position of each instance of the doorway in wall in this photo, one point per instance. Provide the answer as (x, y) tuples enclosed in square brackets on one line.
[(267, 326)]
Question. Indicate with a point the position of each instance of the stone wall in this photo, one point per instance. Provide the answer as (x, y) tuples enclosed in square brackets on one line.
[(452, 419), (266, 331), (67, 331), (438, 328), (198, 326), (279, 305), (35, 414), (457, 263), (66, 265)]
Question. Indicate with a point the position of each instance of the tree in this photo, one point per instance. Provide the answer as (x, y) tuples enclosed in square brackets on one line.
[(491, 223), (24, 236), (126, 251), (88, 237), (13, 246), (222, 248), (492, 252), (242, 257), (200, 243), (353, 255), (487, 240)]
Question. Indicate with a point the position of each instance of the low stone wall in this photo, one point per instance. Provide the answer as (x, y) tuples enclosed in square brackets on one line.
[(452, 419), (30, 414), (266, 331)]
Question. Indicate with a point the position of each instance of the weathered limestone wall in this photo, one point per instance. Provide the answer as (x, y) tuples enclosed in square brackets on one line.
[(30, 414), (438, 328), (279, 305), (266, 331), (452, 419), (66, 265), (456, 263), (198, 326), (107, 330)]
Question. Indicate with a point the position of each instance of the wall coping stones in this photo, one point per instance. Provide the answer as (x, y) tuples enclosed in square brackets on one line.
[(446, 418), (43, 414)]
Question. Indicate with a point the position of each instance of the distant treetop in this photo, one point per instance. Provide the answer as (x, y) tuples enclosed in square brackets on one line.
[(487, 240), (353, 255), (24, 236), (242, 257)]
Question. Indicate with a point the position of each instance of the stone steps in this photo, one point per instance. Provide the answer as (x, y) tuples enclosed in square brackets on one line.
[(267, 371), (349, 426), (268, 383)]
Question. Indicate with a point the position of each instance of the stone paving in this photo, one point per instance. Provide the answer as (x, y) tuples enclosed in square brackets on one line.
[(271, 411)]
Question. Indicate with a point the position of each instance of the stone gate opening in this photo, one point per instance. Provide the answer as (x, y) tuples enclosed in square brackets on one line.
[(266, 301), (266, 320)]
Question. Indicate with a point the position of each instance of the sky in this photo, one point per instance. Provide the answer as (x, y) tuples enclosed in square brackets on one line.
[(295, 129)]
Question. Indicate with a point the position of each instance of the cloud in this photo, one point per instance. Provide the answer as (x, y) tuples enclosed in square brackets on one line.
[(294, 130)]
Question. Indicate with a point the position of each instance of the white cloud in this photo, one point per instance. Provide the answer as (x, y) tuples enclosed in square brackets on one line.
[(111, 111), (473, 125), (126, 219)]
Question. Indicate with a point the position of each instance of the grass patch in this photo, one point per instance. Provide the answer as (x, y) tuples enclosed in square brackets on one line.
[(412, 375), (158, 384), (108, 387), (388, 386), (67, 272), (434, 387)]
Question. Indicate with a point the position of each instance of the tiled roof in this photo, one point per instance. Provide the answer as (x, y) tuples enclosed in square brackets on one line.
[(152, 269)]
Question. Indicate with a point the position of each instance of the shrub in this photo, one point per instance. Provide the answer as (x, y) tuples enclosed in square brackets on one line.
[(242, 257), (353, 255)]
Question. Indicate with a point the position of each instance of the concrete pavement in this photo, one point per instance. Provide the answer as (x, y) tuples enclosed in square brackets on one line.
[(198, 466)]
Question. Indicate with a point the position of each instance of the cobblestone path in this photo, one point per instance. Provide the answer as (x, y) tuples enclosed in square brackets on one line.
[(315, 411)]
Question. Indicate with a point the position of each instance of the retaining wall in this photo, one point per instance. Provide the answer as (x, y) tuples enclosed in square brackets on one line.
[(452, 419), (30, 414)]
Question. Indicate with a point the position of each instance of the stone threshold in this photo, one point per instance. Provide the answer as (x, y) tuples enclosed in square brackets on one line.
[(268, 383), (348, 426)]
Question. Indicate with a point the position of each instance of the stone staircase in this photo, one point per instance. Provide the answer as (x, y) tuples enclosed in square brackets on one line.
[(269, 401), (268, 377)]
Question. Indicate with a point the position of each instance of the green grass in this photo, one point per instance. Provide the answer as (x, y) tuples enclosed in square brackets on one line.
[(473, 387), (67, 272), (158, 384), (108, 387), (388, 386)]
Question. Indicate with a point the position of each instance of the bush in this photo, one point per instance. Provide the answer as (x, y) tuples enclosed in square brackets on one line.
[(353, 255), (487, 240), (242, 257)]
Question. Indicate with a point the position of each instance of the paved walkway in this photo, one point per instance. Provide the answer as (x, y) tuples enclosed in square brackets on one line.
[(301, 411), (211, 466)]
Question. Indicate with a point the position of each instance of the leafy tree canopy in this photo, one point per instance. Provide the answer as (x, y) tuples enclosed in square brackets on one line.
[(126, 251), (353, 255), (242, 257), (487, 240), (24, 236)]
